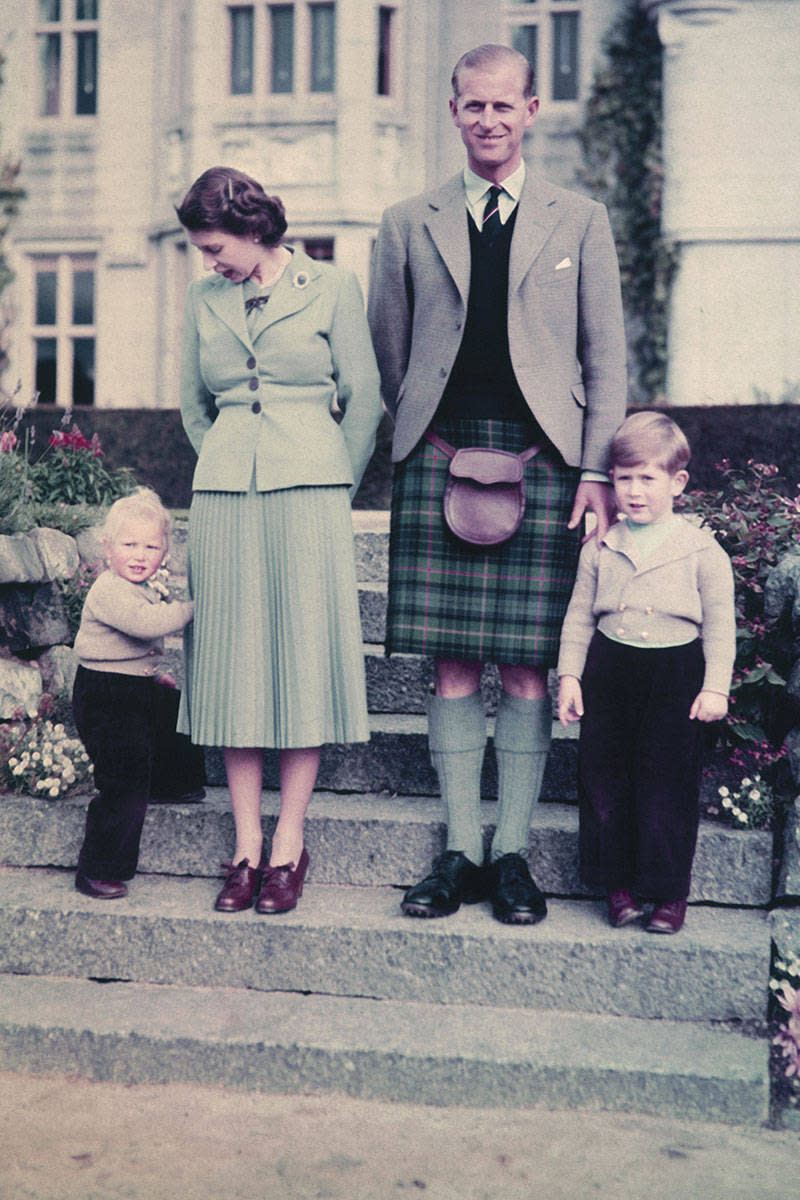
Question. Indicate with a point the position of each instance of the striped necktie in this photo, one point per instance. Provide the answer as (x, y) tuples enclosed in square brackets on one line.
[(492, 224)]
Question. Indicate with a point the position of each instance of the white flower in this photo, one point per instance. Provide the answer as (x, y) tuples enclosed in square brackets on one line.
[(42, 783), (53, 791), (746, 783), (12, 762), (18, 770), (723, 791), (727, 802), (754, 795), (735, 810), (742, 817)]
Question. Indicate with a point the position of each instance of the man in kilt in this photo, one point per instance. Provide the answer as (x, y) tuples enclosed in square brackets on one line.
[(497, 321)]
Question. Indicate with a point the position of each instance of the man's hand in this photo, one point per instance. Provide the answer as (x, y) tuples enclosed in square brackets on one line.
[(598, 498), (709, 706), (570, 699)]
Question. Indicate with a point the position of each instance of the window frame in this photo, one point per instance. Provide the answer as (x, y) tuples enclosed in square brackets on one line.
[(70, 33), (302, 26), (541, 14), (64, 331)]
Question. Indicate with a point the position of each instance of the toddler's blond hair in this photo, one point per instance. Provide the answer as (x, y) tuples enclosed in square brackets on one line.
[(649, 437), (141, 503)]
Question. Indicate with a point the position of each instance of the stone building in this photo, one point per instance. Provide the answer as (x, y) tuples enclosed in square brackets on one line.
[(114, 106)]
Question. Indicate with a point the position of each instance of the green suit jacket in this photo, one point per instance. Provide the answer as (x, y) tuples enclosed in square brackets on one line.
[(266, 404)]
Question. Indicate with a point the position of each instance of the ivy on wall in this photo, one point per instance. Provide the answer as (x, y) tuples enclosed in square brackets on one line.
[(622, 165)]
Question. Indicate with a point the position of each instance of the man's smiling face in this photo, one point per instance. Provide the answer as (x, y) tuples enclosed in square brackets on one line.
[(492, 113)]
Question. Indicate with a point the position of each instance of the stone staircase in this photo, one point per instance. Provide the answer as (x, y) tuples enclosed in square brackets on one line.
[(345, 994)]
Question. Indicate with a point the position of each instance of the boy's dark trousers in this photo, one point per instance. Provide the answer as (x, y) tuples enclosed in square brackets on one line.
[(639, 765), (127, 724)]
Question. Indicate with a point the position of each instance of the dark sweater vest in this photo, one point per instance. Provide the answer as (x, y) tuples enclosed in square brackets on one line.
[(482, 384)]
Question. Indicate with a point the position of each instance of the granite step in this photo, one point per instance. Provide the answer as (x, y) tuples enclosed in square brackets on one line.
[(387, 1050), (353, 941), (396, 760), (374, 840)]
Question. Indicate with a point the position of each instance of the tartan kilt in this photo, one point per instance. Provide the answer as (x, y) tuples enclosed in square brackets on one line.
[(450, 600)]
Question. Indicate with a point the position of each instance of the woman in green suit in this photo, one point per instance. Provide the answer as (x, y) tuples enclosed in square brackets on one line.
[(280, 399)]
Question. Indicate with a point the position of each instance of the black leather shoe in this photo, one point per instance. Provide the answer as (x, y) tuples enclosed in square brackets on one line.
[(100, 889), (454, 880), (516, 900)]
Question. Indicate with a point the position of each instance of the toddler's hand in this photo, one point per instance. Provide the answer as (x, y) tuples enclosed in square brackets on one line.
[(166, 680), (570, 699), (709, 706)]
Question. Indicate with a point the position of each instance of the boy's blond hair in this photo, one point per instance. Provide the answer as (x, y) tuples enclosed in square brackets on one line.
[(649, 437), (141, 503)]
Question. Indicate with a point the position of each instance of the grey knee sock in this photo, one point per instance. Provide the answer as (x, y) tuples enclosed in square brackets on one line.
[(457, 739), (521, 742)]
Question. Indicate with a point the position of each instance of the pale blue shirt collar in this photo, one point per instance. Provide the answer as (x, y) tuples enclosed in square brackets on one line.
[(476, 191)]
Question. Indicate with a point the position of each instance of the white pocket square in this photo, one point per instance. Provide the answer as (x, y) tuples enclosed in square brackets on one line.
[(565, 262)]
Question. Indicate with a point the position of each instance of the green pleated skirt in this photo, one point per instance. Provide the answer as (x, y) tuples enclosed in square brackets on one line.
[(274, 655)]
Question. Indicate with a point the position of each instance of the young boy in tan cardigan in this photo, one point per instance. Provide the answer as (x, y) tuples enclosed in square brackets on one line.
[(647, 651)]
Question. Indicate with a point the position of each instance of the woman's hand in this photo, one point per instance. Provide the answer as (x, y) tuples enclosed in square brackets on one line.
[(570, 699), (709, 706)]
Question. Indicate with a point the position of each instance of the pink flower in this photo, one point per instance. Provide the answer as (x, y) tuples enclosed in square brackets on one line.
[(8, 442)]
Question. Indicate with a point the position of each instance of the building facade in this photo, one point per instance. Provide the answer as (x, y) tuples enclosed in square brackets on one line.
[(340, 108)]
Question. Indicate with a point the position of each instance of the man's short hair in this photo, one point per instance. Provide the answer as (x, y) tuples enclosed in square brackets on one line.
[(649, 437), (491, 55)]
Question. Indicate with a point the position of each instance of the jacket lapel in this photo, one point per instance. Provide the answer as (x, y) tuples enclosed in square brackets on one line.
[(447, 225), (537, 216), (297, 287), (225, 301), (684, 539)]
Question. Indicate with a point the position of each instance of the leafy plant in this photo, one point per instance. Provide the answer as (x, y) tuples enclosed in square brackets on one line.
[(785, 986), (757, 524), (750, 806), (621, 143), (71, 471)]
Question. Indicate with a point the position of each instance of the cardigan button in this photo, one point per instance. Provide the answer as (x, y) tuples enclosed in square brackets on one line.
[(253, 384), (255, 406), (251, 362)]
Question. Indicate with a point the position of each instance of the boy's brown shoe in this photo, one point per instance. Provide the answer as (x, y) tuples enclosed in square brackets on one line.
[(667, 918), (623, 909)]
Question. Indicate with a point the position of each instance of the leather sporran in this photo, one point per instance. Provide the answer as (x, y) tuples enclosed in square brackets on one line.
[(484, 498)]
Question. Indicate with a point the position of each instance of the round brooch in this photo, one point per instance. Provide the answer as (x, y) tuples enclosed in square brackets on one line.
[(300, 280)]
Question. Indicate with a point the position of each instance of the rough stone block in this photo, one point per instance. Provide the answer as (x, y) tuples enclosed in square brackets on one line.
[(19, 560), (58, 553), (372, 605), (788, 884), (785, 928), (58, 666), (20, 688), (32, 616)]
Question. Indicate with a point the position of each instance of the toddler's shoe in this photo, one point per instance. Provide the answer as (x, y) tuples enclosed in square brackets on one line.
[(623, 909), (668, 917), (100, 889)]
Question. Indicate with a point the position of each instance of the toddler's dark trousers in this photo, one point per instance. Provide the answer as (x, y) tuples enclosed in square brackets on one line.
[(639, 767), (127, 724)]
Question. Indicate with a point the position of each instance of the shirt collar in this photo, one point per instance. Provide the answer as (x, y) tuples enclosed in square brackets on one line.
[(476, 187)]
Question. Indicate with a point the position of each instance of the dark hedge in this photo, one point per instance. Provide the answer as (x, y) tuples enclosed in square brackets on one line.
[(152, 443)]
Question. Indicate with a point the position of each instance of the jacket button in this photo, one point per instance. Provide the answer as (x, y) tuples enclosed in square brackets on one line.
[(443, 372), (620, 632), (251, 362), (255, 406), (253, 384)]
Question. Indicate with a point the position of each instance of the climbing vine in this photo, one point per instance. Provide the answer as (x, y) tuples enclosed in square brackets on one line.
[(622, 165)]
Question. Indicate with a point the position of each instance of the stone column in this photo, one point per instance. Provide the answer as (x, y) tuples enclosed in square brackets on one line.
[(732, 197)]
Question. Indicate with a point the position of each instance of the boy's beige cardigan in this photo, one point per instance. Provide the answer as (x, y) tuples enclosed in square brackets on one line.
[(682, 590), (123, 626)]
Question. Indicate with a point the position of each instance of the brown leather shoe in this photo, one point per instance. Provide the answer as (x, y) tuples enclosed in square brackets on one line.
[(239, 888), (282, 887), (667, 918), (623, 909), (100, 889)]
